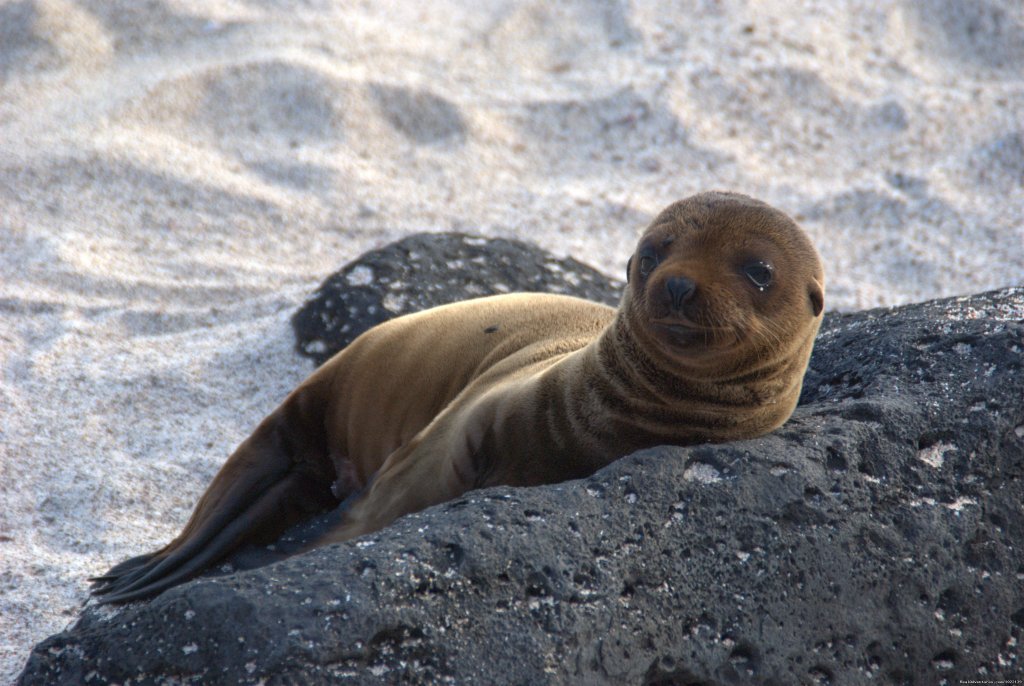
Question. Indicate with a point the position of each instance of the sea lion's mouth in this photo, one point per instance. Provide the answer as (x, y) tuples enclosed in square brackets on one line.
[(682, 332)]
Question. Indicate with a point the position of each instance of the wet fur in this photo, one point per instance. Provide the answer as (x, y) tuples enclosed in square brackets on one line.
[(520, 389)]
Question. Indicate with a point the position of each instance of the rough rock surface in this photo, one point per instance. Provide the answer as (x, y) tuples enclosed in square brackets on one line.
[(877, 537)]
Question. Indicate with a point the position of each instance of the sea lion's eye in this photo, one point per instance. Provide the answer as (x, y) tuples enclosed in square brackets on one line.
[(647, 264), (759, 273)]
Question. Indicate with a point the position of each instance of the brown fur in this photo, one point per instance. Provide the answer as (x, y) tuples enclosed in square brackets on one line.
[(523, 389)]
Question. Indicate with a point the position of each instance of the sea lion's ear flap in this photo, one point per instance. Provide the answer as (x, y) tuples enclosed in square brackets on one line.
[(817, 295), (629, 267)]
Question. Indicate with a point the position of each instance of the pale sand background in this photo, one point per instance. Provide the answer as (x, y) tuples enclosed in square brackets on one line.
[(176, 176)]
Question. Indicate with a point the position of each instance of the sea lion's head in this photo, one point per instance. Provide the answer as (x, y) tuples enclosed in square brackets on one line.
[(721, 283)]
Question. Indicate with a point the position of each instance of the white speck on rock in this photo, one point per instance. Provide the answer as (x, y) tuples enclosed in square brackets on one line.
[(190, 648), (960, 503), (361, 275), (934, 455), (393, 302), (316, 347), (702, 472)]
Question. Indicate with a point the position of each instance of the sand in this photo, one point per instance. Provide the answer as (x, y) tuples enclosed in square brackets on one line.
[(176, 176)]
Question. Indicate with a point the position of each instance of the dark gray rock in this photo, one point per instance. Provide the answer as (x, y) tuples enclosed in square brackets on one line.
[(877, 538), (430, 269)]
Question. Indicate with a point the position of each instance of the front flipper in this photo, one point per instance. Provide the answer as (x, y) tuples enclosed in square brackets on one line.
[(437, 465), (277, 477)]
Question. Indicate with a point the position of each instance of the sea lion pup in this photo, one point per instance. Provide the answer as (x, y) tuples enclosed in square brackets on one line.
[(710, 343)]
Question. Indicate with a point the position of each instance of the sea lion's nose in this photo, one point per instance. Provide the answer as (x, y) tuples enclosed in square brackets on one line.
[(680, 289)]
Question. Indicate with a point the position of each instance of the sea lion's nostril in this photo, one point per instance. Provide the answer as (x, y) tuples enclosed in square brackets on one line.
[(680, 289)]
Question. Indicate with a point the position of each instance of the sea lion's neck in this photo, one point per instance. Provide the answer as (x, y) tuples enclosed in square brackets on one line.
[(634, 372), (618, 394), (637, 366)]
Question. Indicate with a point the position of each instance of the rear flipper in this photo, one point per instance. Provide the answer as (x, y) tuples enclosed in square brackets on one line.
[(298, 539), (278, 476)]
